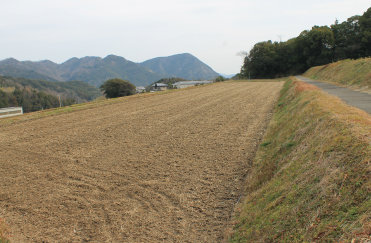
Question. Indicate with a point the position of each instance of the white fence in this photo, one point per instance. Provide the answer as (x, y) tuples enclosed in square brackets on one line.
[(11, 111)]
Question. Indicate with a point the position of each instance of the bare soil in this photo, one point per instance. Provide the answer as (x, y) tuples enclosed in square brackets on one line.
[(165, 168)]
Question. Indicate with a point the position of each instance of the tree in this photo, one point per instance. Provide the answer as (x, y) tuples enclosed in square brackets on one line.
[(220, 79), (365, 25), (117, 88), (347, 39), (320, 43)]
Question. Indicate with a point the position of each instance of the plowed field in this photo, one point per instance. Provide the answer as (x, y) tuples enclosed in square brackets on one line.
[(165, 168)]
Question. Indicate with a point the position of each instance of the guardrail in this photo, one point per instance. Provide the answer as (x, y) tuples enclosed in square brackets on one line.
[(11, 111)]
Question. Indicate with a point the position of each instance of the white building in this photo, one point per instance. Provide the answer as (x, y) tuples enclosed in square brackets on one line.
[(185, 84), (11, 111), (140, 89)]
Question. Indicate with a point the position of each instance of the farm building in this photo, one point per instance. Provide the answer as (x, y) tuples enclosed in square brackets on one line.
[(159, 87), (11, 111), (140, 89), (185, 84)]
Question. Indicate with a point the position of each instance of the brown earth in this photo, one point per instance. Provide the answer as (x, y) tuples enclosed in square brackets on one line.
[(165, 168)]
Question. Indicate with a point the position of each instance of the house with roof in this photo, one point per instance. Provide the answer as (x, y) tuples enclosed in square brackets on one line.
[(159, 87)]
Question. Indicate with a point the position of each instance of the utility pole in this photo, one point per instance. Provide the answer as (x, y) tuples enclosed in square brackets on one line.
[(60, 104)]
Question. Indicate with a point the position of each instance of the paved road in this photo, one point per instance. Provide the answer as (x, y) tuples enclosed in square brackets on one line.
[(353, 98)]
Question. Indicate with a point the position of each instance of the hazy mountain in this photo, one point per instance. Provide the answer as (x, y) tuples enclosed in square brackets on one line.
[(183, 65), (92, 70), (96, 70), (227, 75), (14, 71)]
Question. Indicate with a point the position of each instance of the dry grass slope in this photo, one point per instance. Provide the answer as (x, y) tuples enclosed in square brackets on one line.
[(355, 74), (311, 178)]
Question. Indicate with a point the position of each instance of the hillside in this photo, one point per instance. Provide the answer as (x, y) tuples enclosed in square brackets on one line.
[(311, 178), (354, 74), (97, 70), (15, 71), (77, 90), (91, 70), (183, 65), (31, 100)]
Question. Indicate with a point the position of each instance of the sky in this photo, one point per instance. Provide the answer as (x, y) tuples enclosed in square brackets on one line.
[(138, 30)]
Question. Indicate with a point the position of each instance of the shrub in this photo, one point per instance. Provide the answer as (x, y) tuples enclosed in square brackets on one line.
[(114, 88)]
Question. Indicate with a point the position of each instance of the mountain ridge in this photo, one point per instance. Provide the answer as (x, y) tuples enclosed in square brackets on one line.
[(95, 70)]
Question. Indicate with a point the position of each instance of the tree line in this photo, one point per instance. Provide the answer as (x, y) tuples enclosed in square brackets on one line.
[(321, 45), (31, 100)]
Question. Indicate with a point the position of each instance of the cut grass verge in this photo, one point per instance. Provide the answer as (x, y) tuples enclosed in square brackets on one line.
[(311, 177), (354, 74)]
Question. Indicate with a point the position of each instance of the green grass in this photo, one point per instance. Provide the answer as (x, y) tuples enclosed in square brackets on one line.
[(4, 232), (311, 177), (352, 73)]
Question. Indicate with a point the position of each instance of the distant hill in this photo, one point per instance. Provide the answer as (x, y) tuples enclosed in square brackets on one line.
[(91, 70), (77, 90), (96, 70), (14, 71), (183, 65)]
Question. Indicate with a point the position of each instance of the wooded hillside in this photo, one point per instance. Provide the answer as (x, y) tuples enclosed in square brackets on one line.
[(77, 90)]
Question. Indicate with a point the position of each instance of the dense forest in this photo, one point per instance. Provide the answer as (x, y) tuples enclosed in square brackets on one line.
[(321, 45), (31, 100)]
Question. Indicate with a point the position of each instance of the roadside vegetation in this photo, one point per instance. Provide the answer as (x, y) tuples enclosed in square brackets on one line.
[(4, 232), (321, 45), (311, 178), (354, 74)]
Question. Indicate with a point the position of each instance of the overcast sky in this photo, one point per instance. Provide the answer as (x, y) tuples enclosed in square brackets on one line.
[(212, 30)]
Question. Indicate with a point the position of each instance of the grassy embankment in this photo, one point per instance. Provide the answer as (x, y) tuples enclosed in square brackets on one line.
[(310, 180), (354, 74)]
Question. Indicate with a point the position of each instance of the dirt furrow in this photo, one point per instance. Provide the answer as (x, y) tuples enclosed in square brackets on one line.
[(166, 168)]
